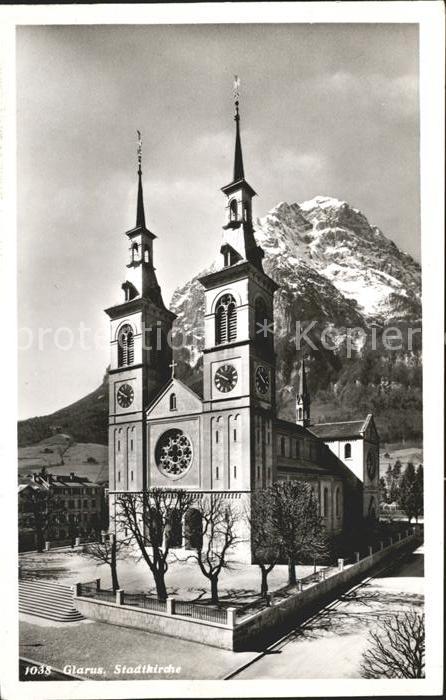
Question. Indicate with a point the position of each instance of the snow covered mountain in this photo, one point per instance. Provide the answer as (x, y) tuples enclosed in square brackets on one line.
[(332, 266), (336, 241), (336, 269)]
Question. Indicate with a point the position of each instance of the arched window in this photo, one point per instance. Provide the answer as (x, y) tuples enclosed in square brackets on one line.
[(299, 413), (134, 252), (347, 451), (174, 530), (193, 529), (125, 346), (325, 503), (245, 212), (173, 402), (338, 502), (225, 320), (154, 527), (233, 210), (146, 256)]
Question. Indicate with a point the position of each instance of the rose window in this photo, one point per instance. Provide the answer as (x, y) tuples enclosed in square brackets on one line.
[(173, 453)]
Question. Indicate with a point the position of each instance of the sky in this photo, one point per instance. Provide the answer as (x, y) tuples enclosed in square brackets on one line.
[(325, 110)]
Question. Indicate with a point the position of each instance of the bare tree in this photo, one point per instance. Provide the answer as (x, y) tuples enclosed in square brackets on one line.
[(108, 551), (396, 648), (296, 524), (153, 520), (218, 540), (264, 547), (44, 507)]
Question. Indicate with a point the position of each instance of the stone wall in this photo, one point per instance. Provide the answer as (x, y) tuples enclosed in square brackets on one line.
[(271, 623), (211, 633), (256, 630)]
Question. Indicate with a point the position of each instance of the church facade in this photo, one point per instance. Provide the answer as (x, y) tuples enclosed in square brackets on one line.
[(227, 438)]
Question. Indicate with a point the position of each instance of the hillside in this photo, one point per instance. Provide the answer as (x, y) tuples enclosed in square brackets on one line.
[(336, 271), (85, 420)]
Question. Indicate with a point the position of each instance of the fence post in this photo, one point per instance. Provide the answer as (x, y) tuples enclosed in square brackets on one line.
[(119, 596), (230, 617), (299, 586), (77, 541), (47, 546), (98, 584), (340, 564), (170, 606), (391, 540), (399, 537), (322, 572), (77, 589), (358, 556), (382, 544), (370, 550)]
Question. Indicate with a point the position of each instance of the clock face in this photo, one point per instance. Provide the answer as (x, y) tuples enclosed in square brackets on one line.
[(262, 380), (225, 378), (125, 395)]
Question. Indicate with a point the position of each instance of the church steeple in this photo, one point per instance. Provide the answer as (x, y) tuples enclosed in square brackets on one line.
[(239, 243), (140, 215), (303, 398), (239, 172), (140, 277)]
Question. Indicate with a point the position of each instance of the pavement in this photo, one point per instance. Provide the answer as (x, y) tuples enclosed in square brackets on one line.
[(94, 650), (330, 645)]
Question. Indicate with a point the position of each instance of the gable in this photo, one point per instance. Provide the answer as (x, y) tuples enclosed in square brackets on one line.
[(370, 431), (186, 402)]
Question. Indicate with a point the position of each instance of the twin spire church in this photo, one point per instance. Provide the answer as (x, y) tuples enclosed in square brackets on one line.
[(228, 438)]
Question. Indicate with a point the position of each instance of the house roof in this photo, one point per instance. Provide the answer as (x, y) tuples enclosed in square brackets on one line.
[(339, 431)]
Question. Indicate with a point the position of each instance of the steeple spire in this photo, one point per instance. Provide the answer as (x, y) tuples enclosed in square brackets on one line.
[(303, 391), (303, 398), (239, 173), (140, 215)]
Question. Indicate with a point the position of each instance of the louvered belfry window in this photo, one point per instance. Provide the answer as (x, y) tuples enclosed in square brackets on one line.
[(226, 320), (126, 350)]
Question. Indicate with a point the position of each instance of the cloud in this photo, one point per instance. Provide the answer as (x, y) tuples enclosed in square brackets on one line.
[(397, 94), (287, 161)]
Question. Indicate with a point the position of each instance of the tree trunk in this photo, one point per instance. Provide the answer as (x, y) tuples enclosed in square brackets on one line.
[(39, 541), (291, 572), (114, 571), (264, 584), (161, 590), (214, 590)]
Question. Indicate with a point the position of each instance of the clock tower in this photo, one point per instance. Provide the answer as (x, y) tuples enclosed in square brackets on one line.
[(239, 359), (140, 327)]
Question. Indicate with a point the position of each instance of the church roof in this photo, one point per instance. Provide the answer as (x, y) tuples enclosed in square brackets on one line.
[(340, 430), (288, 426)]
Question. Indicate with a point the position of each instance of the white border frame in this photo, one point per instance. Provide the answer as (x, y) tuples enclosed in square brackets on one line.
[(430, 17)]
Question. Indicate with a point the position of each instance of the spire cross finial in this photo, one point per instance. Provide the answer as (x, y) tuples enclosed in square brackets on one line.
[(139, 151), (172, 365)]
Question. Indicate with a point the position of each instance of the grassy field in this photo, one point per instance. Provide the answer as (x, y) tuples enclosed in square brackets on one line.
[(47, 453)]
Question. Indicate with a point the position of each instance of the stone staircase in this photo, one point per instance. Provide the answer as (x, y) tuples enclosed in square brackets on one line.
[(47, 599)]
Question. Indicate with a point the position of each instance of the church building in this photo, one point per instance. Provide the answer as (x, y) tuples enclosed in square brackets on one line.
[(227, 438)]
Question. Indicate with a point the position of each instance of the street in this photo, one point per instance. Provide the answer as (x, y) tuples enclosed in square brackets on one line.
[(330, 645)]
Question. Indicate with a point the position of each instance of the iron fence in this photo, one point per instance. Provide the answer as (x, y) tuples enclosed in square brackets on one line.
[(141, 600), (201, 612), (89, 589)]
